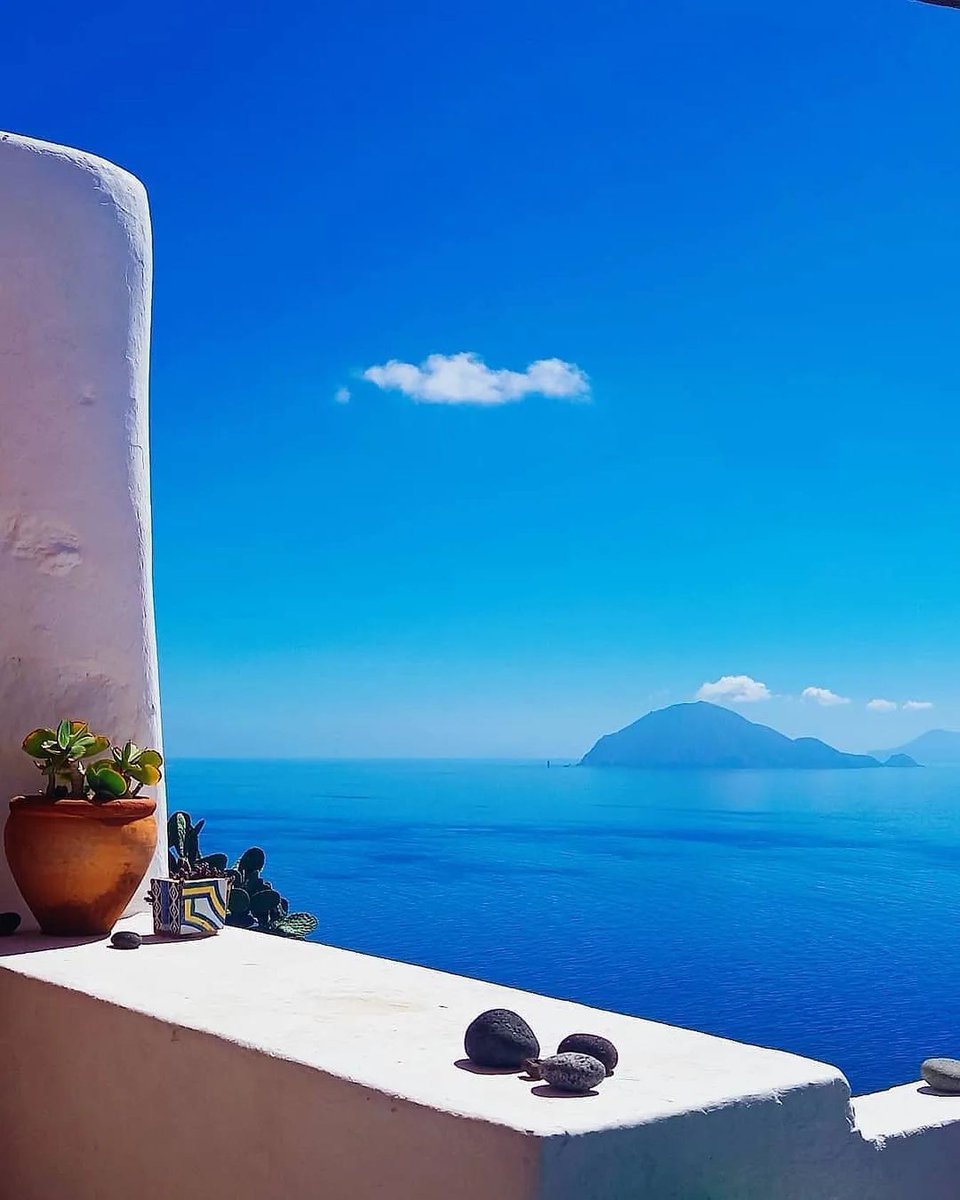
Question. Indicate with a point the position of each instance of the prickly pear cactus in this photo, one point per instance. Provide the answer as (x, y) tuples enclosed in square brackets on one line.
[(253, 904)]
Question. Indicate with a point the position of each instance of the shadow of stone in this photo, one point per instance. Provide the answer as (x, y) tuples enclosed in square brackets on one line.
[(546, 1092), (464, 1064), (32, 941), (165, 939), (926, 1090)]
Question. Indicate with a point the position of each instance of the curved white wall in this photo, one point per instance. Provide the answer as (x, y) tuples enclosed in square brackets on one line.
[(76, 606)]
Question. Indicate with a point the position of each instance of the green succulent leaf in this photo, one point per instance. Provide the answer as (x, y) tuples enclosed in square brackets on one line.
[(177, 827), (99, 744), (106, 780), (265, 902), (251, 861), (191, 844), (151, 758), (36, 742), (239, 902), (115, 784), (64, 734), (295, 925), (144, 773)]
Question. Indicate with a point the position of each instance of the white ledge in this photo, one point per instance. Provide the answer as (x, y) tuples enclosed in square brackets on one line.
[(904, 1112), (399, 1028), (381, 1040)]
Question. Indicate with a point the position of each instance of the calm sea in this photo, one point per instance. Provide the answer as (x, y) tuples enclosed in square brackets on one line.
[(814, 911)]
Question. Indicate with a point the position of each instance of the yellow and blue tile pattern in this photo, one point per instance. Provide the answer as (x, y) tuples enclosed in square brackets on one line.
[(183, 907)]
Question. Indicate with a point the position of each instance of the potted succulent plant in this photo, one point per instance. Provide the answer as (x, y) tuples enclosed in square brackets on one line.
[(202, 894), (79, 850), (193, 898)]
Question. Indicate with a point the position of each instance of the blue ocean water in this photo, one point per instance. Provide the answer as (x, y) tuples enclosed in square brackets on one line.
[(813, 911)]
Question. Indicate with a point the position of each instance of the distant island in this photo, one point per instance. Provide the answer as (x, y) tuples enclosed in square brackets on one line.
[(702, 735), (936, 747)]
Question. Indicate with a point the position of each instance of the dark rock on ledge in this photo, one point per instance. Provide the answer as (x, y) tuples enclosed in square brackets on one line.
[(594, 1045), (126, 939), (569, 1072), (500, 1038)]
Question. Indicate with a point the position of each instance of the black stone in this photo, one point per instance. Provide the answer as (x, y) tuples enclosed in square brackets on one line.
[(571, 1072), (9, 923), (500, 1038), (126, 939), (594, 1045), (942, 1074)]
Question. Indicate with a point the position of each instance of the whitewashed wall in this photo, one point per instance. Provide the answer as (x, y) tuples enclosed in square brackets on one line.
[(76, 606), (322, 1073)]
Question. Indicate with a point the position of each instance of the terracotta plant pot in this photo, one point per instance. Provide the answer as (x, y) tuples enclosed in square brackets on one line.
[(78, 864)]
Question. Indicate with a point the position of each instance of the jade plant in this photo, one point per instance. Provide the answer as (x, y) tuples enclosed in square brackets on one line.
[(254, 904), (64, 756), (60, 754), (125, 773)]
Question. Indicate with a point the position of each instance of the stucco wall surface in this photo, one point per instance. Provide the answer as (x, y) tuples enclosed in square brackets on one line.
[(76, 609), (915, 1137), (306, 1071)]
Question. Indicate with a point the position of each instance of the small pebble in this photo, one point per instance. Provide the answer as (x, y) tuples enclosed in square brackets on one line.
[(569, 1072), (594, 1045), (9, 923), (126, 939), (500, 1038), (942, 1074)]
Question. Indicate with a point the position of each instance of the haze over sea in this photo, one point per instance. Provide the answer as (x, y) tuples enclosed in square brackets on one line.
[(813, 911)]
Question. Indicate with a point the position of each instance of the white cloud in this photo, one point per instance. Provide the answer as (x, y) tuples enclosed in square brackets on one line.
[(824, 697), (917, 705), (466, 379), (882, 705), (735, 689), (341, 396)]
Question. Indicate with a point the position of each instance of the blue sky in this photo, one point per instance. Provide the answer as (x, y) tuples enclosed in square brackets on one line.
[(737, 219)]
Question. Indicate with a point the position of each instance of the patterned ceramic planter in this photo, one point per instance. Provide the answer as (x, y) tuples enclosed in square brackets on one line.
[(187, 907)]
